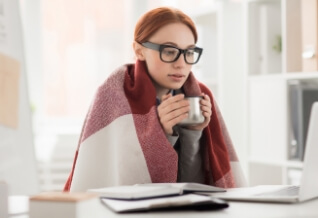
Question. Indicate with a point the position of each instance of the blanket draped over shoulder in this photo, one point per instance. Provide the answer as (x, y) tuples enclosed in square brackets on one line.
[(122, 141)]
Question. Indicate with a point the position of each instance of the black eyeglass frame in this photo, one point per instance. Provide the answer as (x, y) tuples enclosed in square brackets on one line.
[(160, 47)]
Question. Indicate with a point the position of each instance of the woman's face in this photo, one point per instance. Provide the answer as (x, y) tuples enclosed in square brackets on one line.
[(167, 76)]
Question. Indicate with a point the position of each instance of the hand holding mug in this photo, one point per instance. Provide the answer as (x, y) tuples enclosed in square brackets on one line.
[(205, 110), (172, 110)]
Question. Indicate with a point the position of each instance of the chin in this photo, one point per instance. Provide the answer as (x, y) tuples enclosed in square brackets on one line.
[(175, 87)]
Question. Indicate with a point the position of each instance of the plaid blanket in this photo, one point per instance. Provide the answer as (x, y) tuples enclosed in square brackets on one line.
[(122, 141)]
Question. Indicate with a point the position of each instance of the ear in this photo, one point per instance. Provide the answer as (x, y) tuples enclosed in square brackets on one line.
[(139, 51)]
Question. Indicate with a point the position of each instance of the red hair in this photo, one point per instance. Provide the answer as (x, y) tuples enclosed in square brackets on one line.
[(153, 20)]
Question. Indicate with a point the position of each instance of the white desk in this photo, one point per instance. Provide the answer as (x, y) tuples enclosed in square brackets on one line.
[(236, 209)]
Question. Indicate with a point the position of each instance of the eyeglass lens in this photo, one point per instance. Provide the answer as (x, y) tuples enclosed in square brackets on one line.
[(170, 54)]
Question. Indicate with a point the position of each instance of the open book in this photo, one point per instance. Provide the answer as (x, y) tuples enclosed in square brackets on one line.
[(153, 190)]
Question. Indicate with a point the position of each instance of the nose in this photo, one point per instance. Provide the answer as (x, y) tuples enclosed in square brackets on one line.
[(180, 62)]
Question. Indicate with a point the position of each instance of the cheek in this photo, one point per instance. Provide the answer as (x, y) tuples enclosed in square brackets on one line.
[(154, 64), (188, 68), (154, 69)]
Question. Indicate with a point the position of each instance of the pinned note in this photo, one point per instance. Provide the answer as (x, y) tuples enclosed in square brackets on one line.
[(9, 91)]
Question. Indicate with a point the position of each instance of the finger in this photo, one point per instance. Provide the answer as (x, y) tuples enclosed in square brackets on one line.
[(171, 115), (207, 110), (177, 119), (169, 124), (169, 99), (165, 97), (207, 115), (173, 103), (174, 109), (206, 103), (206, 98)]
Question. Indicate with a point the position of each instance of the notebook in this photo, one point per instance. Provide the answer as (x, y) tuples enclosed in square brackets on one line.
[(308, 188), (152, 190), (174, 203)]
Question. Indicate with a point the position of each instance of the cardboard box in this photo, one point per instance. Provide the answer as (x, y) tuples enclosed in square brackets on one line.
[(64, 205)]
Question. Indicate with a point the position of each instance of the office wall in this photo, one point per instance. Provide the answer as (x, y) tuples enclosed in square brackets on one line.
[(17, 159)]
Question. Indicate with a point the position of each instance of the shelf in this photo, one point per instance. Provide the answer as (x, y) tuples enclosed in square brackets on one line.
[(287, 76), (301, 75), (287, 164), (277, 109), (275, 35), (265, 76), (295, 164)]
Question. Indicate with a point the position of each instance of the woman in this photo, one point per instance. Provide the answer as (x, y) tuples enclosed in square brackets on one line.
[(132, 134)]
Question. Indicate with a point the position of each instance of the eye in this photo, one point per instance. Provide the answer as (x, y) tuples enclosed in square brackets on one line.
[(190, 53), (170, 52)]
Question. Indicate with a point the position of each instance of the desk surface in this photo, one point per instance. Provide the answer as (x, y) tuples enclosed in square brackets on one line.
[(236, 209)]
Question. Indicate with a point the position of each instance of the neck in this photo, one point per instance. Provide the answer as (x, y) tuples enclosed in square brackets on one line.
[(160, 91)]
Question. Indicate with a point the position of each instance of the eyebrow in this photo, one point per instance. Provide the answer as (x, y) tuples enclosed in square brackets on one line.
[(175, 45)]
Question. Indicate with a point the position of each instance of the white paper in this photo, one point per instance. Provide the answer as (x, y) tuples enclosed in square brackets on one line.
[(135, 192)]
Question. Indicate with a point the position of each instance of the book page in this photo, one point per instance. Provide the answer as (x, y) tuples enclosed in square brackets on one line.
[(135, 192), (187, 187)]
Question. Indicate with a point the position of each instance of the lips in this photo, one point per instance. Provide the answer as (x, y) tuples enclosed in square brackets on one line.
[(176, 75), (176, 78)]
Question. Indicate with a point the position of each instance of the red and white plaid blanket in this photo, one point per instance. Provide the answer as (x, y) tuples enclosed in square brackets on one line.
[(122, 141)]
